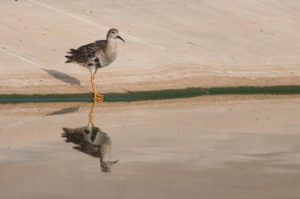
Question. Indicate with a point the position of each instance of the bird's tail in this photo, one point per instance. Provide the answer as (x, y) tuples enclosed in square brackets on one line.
[(70, 57), (72, 51)]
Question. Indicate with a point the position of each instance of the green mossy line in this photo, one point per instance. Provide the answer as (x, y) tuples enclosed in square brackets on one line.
[(22, 98), (152, 95)]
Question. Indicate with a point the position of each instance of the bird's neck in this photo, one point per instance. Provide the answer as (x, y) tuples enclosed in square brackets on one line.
[(111, 45)]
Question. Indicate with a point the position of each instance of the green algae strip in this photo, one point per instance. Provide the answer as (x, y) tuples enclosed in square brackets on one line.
[(22, 98), (152, 95)]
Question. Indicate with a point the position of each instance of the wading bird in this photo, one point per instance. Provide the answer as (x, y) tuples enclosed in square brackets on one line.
[(96, 55)]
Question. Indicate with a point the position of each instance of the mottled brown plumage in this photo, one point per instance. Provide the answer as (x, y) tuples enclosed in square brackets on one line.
[(85, 52)]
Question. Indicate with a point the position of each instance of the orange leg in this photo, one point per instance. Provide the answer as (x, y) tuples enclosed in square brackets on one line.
[(97, 97)]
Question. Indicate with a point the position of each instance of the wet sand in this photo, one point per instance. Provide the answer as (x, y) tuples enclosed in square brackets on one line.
[(205, 147)]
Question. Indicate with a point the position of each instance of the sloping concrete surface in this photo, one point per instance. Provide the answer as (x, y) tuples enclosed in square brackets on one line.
[(170, 44)]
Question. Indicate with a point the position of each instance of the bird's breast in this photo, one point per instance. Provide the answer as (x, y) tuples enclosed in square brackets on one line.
[(107, 59)]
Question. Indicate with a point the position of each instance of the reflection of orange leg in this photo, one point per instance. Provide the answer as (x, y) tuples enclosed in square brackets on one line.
[(91, 115), (97, 97)]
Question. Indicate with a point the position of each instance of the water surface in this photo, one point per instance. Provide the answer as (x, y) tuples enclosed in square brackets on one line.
[(205, 147)]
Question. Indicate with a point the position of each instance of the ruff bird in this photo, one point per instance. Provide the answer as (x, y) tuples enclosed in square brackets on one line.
[(96, 55)]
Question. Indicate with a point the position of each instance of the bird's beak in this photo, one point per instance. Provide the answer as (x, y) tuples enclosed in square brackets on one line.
[(119, 37)]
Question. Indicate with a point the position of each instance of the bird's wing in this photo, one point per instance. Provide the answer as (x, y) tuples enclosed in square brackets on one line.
[(83, 53)]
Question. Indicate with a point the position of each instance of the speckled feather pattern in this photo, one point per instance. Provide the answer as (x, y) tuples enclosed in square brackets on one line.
[(84, 54)]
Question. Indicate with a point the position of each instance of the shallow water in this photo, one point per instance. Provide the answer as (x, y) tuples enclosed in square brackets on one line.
[(205, 147)]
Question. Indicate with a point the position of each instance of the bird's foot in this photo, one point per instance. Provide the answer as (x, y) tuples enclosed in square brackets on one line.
[(99, 97)]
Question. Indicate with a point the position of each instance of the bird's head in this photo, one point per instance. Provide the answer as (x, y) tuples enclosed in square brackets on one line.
[(114, 33), (106, 166)]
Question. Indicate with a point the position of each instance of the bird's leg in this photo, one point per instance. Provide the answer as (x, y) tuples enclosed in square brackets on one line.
[(97, 97), (93, 85)]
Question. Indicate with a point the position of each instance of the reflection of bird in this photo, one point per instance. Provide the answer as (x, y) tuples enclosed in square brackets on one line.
[(100, 143), (93, 141), (96, 55)]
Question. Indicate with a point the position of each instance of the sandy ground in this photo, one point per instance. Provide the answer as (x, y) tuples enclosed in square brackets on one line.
[(170, 44), (206, 147)]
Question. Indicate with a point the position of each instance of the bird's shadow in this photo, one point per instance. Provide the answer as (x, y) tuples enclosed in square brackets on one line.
[(64, 111), (63, 77)]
